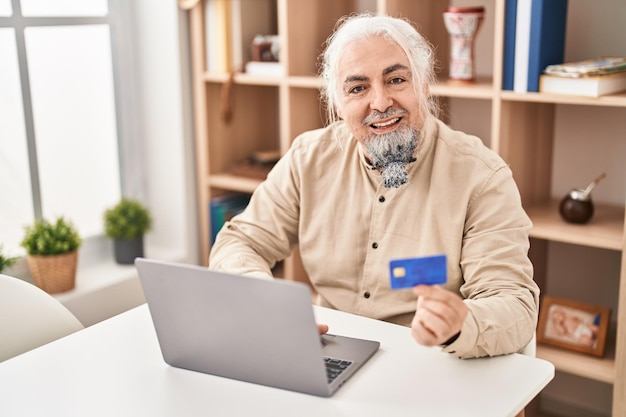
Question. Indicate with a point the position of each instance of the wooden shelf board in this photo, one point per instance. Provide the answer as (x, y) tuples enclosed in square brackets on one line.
[(605, 230), (481, 89), (244, 79), (612, 100), (586, 366), (234, 183), (305, 82)]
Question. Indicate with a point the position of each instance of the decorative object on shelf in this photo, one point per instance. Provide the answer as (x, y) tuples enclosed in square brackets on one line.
[(257, 166), (52, 254), (265, 53), (577, 205), (462, 24), (6, 261), (573, 325), (265, 48), (126, 223)]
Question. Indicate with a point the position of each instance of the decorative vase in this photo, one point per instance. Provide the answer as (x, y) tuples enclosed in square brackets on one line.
[(54, 273), (126, 250), (462, 24)]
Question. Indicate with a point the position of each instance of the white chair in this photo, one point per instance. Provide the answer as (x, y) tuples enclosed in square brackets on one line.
[(30, 317), (531, 347)]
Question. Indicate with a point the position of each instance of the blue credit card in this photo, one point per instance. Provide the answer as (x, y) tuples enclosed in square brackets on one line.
[(428, 270)]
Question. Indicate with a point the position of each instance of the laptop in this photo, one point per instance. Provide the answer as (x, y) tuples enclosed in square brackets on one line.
[(246, 328)]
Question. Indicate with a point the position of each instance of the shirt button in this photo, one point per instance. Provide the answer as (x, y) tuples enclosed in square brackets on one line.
[(381, 198), (366, 294), (375, 245)]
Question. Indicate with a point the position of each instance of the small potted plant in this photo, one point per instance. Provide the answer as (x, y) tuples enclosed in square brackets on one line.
[(126, 223), (52, 254), (6, 262)]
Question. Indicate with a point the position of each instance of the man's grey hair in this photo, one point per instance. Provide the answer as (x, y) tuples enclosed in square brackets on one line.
[(362, 26)]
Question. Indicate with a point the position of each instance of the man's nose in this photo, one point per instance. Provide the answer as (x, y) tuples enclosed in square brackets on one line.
[(381, 99)]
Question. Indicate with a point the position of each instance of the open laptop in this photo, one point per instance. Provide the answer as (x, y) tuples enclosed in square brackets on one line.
[(251, 329)]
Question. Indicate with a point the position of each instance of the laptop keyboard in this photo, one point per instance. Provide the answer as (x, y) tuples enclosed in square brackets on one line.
[(334, 367)]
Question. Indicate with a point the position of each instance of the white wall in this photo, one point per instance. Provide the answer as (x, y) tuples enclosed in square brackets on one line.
[(162, 121), (163, 84)]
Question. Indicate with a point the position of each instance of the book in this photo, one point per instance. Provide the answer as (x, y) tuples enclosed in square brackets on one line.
[(223, 208), (594, 66), (540, 30), (590, 86), (548, 24), (508, 63), (522, 42), (218, 35)]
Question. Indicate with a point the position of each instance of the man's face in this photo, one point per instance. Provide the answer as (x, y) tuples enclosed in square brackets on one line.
[(379, 105), (377, 93)]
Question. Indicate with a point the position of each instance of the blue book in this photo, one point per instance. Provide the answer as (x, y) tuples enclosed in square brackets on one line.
[(224, 208), (508, 63), (548, 23)]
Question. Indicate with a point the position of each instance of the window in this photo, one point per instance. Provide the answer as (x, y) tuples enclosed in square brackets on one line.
[(61, 150)]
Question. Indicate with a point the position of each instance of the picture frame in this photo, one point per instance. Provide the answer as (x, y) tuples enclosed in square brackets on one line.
[(573, 325)]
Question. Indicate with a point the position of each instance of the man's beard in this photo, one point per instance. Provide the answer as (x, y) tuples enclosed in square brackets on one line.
[(391, 152)]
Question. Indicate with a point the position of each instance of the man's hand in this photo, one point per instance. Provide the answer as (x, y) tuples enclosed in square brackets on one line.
[(439, 316), (322, 328)]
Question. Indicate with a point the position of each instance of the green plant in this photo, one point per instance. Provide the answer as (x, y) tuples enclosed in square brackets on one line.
[(128, 219), (5, 261), (46, 238)]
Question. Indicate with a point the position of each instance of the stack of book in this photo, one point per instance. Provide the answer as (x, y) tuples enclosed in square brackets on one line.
[(591, 78)]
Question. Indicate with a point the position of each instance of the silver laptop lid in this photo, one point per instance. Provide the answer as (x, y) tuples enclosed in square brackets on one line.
[(245, 328)]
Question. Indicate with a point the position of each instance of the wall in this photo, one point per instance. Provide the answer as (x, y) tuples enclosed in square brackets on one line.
[(162, 119)]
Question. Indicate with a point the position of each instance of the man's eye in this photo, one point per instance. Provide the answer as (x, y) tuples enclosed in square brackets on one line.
[(356, 89), (396, 80)]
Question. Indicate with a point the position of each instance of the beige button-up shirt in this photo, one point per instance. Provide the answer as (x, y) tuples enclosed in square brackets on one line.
[(461, 201)]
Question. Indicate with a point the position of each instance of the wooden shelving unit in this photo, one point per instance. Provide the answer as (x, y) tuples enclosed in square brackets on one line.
[(268, 113)]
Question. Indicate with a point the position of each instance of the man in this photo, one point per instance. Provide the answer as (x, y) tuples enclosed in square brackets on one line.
[(385, 180)]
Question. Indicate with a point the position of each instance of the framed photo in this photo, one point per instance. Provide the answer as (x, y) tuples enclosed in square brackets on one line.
[(573, 325)]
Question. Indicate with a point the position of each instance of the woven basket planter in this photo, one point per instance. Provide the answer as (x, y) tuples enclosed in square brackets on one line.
[(54, 273)]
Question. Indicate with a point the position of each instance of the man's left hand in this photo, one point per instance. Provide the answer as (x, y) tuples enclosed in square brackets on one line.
[(439, 316)]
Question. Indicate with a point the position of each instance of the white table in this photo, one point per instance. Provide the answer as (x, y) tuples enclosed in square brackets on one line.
[(115, 368)]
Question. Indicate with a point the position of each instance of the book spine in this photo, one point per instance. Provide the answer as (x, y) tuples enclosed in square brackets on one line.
[(508, 64), (522, 40), (548, 22)]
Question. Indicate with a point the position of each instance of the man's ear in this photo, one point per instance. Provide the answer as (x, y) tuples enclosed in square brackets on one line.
[(338, 111)]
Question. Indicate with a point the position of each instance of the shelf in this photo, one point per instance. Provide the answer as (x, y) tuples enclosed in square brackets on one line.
[(613, 100), (234, 183), (243, 78), (481, 89), (269, 112), (605, 230), (591, 367), (305, 82)]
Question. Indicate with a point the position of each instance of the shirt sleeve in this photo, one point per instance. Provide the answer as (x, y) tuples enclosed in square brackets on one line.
[(498, 287), (265, 233)]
